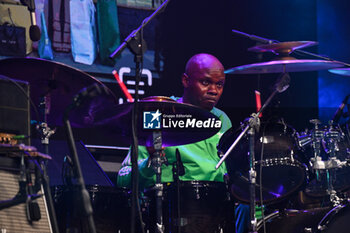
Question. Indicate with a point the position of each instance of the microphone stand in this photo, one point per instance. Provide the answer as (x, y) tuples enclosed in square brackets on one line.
[(137, 45), (252, 125), (82, 192)]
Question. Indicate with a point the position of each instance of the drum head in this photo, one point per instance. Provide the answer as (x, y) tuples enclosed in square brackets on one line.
[(283, 170)]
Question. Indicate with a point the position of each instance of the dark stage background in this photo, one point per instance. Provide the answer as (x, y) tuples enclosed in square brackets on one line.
[(190, 27)]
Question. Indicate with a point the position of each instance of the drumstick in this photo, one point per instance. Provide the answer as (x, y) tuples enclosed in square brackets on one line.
[(258, 102), (122, 86)]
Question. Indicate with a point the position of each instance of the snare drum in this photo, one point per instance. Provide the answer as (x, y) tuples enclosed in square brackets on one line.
[(204, 207), (284, 168)]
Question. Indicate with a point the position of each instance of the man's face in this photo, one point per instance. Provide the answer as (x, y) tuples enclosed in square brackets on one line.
[(205, 86)]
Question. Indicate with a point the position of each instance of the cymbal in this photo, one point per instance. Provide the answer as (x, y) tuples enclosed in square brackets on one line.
[(55, 81), (282, 47), (283, 66), (116, 121), (341, 71)]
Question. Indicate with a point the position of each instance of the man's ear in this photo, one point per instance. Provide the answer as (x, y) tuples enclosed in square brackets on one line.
[(185, 80)]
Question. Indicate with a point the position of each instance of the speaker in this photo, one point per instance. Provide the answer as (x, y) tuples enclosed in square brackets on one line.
[(14, 107), (14, 218)]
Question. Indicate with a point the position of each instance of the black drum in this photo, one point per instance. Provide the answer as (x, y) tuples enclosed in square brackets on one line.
[(318, 186), (111, 211), (204, 207), (293, 221), (283, 167), (336, 220)]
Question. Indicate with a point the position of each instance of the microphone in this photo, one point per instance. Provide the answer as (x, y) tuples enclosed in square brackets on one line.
[(34, 30), (339, 111)]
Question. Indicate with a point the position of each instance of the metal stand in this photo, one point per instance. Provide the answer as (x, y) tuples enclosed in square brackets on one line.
[(253, 125), (45, 133), (157, 160), (178, 170), (138, 46), (83, 193)]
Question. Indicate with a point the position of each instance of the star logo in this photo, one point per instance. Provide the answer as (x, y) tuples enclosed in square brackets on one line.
[(156, 115), (151, 120)]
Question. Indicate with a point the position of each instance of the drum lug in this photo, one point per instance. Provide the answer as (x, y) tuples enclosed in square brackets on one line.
[(308, 230)]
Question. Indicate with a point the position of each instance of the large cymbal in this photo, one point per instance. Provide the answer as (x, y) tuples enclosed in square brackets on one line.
[(283, 66), (282, 48), (341, 71), (58, 82), (116, 121)]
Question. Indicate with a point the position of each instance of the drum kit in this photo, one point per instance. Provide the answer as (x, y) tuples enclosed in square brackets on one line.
[(316, 161)]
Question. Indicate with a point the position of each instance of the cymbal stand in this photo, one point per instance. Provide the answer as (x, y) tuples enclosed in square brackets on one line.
[(252, 125), (157, 160), (45, 133)]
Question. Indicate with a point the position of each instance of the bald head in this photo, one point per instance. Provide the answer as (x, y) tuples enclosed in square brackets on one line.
[(202, 61), (203, 81)]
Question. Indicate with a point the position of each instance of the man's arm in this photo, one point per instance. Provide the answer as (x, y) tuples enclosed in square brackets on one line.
[(146, 174)]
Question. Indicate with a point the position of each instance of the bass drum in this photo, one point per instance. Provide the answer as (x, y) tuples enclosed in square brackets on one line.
[(204, 207), (336, 220), (111, 211), (292, 221), (284, 169)]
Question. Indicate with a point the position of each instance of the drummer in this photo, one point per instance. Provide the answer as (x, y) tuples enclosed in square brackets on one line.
[(203, 83)]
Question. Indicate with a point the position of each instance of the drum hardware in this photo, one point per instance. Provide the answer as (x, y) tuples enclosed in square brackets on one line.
[(252, 125), (80, 100), (178, 170), (329, 160)]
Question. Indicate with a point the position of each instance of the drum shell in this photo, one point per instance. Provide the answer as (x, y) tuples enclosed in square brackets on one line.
[(111, 211), (317, 187), (336, 220), (204, 206), (284, 166), (293, 221)]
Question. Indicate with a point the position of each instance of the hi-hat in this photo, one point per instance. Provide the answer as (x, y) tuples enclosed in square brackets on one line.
[(116, 121), (57, 82), (341, 71), (284, 66), (282, 48)]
